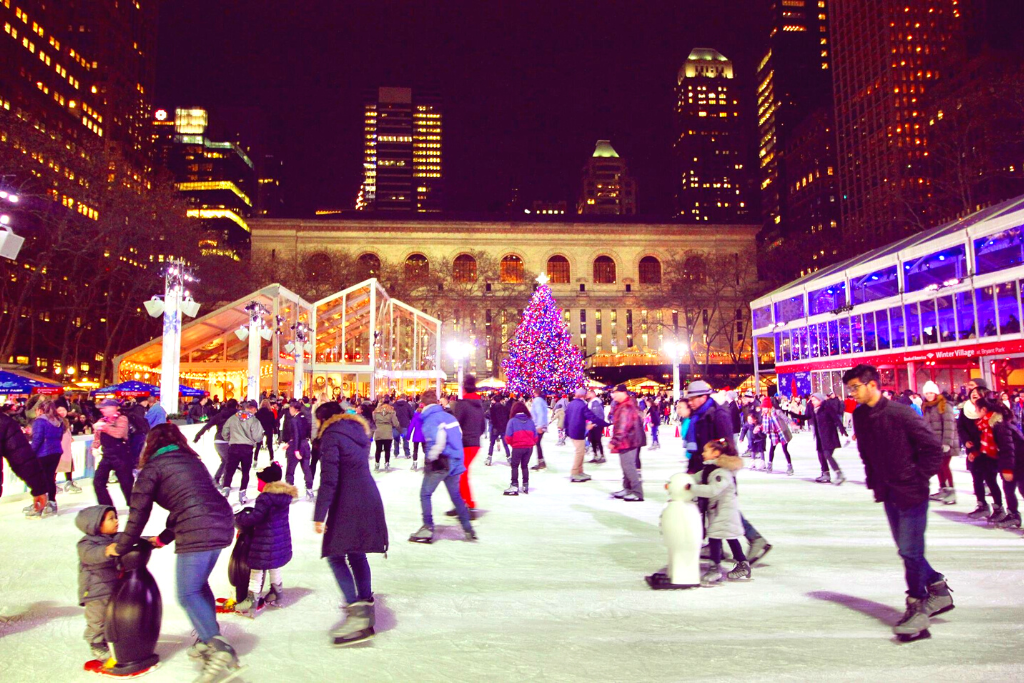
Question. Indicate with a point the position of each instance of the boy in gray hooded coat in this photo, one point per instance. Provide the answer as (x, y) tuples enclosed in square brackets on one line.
[(97, 573)]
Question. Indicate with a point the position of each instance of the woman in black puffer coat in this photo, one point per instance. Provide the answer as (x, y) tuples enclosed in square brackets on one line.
[(271, 546), (200, 523), (349, 502)]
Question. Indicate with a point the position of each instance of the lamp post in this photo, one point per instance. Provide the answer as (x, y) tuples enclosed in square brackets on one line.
[(301, 331), (675, 350), (459, 351), (176, 300)]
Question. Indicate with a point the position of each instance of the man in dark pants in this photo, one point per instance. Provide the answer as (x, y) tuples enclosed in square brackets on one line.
[(901, 454), (18, 452), (404, 412), (243, 433), (298, 448), (499, 421), (826, 424), (269, 423), (111, 434), (712, 421)]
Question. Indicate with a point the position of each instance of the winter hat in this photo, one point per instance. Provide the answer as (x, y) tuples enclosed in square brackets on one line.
[(818, 395), (109, 403), (270, 473), (980, 383), (621, 387), (766, 403), (930, 387), (698, 388)]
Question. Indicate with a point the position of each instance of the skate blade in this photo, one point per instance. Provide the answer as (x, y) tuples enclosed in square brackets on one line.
[(421, 540), (233, 674), (911, 637), (354, 641), (97, 667), (945, 609)]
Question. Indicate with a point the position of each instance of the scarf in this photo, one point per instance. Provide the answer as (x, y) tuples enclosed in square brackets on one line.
[(988, 440)]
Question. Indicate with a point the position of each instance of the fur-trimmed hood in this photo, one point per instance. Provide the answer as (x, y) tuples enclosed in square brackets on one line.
[(281, 487), (346, 416), (994, 419), (730, 462)]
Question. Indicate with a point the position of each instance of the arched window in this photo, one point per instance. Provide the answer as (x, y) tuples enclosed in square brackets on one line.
[(368, 266), (650, 271), (695, 269), (417, 268), (558, 270), (511, 269), (604, 270), (464, 268), (319, 267)]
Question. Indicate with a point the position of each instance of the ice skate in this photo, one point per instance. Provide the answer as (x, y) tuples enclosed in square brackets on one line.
[(620, 494), (488, 461), (511, 491), (242, 498), (825, 478), (275, 595), (939, 599), (577, 478), (387, 467), (251, 606), (981, 511), (840, 478), (199, 650), (225, 491), (471, 535), (525, 488), (632, 498), (72, 487), (221, 662), (1010, 521), (358, 627), (741, 572), (789, 471), (310, 496), (768, 468), (758, 549), (914, 624), (100, 652), (376, 467), (949, 496), (712, 577), (939, 496), (415, 466), (424, 535), (539, 466), (998, 514)]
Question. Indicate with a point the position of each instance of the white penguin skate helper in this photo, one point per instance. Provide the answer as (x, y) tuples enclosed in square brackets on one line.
[(681, 527)]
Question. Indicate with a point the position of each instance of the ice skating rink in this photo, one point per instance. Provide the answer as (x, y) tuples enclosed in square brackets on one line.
[(554, 590)]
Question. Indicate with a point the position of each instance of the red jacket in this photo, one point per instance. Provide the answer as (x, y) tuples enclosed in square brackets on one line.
[(627, 427)]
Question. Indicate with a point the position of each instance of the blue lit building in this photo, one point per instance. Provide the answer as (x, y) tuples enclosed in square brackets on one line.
[(941, 305)]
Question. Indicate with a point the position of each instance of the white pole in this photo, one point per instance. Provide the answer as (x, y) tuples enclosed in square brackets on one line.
[(675, 379), (171, 347), (253, 392), (300, 371), (459, 361)]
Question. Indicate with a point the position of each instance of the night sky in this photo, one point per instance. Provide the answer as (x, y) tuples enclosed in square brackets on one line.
[(528, 86)]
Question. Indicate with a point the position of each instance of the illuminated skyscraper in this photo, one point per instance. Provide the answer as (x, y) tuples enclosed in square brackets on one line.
[(607, 187), (710, 169), (888, 58), (402, 140)]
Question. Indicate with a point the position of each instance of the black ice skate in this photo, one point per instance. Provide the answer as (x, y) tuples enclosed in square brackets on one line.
[(660, 581), (1011, 521), (981, 511), (997, 516), (741, 572)]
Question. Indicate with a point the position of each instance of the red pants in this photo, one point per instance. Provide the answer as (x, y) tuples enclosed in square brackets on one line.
[(468, 453)]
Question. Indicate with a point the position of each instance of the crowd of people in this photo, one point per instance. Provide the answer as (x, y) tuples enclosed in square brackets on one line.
[(903, 440)]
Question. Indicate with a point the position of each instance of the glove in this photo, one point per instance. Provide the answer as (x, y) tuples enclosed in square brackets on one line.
[(945, 448)]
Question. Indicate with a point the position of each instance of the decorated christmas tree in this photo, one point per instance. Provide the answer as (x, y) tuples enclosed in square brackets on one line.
[(541, 353)]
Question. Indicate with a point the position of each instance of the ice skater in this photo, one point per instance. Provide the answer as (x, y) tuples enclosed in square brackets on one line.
[(628, 438), (521, 434), (596, 406), (826, 425), (577, 416), (757, 440), (442, 439), (271, 547), (299, 452), (941, 417), (900, 454), (97, 573), (775, 426), (243, 433), (724, 522), (113, 439)]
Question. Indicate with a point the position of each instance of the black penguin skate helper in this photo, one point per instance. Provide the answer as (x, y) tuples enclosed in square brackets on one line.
[(660, 581), (238, 571), (133, 618)]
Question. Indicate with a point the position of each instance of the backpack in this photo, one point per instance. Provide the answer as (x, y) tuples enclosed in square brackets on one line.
[(137, 424)]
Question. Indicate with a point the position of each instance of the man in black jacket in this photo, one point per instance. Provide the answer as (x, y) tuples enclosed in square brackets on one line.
[(16, 448), (298, 447), (404, 412), (499, 421), (269, 423), (900, 454), (469, 411), (826, 424)]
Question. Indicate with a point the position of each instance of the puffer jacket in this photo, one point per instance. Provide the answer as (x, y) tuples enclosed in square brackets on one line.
[(16, 448), (1003, 434), (520, 432), (712, 422), (415, 433), (940, 417), (97, 573), (46, 437), (348, 498), (200, 517), (385, 421), (272, 536), (404, 410), (499, 416), (627, 427), (469, 411), (718, 486), (242, 428), (967, 428)]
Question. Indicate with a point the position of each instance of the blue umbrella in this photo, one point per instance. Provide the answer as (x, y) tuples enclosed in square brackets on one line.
[(11, 383), (134, 387)]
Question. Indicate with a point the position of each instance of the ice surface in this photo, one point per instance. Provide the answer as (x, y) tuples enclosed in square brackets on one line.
[(555, 590)]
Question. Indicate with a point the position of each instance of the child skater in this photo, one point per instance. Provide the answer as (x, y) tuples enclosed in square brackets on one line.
[(521, 435), (272, 539), (718, 486), (757, 440), (415, 434), (97, 573)]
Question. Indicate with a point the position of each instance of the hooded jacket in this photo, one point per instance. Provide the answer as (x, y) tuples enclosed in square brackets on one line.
[(242, 428), (439, 424), (348, 498), (627, 427), (46, 437), (520, 432), (900, 452), (16, 448), (404, 412), (199, 518), (385, 422), (272, 537), (499, 416), (469, 411), (719, 487), (97, 573), (939, 416)]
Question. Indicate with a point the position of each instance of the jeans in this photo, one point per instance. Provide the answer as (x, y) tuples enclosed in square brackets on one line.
[(540, 451), (307, 473), (746, 431), (468, 453), (431, 480), (654, 433), (825, 459), (630, 477), (122, 466), (749, 532), (400, 439), (355, 582), (495, 436), (521, 461), (985, 471), (238, 454), (908, 531), (194, 594)]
